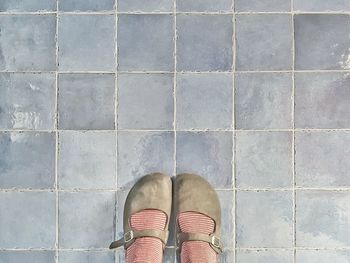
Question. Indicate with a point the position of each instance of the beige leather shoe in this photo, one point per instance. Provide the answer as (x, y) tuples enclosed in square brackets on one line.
[(153, 191), (192, 193)]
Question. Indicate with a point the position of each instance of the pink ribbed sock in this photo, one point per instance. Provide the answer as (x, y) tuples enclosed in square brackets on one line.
[(146, 249), (196, 251)]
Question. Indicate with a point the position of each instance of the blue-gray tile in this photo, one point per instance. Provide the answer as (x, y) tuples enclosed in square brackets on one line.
[(322, 42), (264, 42), (204, 42), (322, 219), (86, 101), (204, 6), (27, 5), (146, 42), (27, 42), (145, 5), (86, 42), (87, 160), (262, 5), (265, 256), (85, 5), (29, 220), (140, 153), (85, 256), (145, 101), (321, 5), (86, 219), (27, 160), (208, 154), (322, 100), (322, 256), (27, 256), (264, 219), (227, 217), (27, 101), (263, 101), (204, 101), (264, 159), (320, 159)]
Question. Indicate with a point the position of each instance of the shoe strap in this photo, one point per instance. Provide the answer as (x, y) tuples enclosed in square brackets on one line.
[(130, 236), (213, 241)]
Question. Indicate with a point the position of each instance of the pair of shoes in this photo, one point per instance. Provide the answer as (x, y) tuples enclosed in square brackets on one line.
[(147, 212)]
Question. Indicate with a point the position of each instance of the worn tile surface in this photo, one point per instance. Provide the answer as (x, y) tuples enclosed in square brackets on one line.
[(320, 159), (322, 42), (86, 42), (27, 160), (86, 101), (27, 42), (87, 160), (145, 101), (264, 219), (204, 42), (27, 101), (264, 159), (98, 93), (264, 42), (322, 219), (263, 101), (28, 220), (204, 101), (322, 100), (264, 256), (86, 219), (145, 42)]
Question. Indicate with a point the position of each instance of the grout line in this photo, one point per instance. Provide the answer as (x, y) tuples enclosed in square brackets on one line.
[(116, 104), (57, 145), (293, 135)]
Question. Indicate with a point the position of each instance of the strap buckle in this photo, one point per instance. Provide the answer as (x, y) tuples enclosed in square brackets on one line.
[(128, 236), (215, 242)]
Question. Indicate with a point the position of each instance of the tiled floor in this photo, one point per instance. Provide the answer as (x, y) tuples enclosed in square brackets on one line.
[(253, 95)]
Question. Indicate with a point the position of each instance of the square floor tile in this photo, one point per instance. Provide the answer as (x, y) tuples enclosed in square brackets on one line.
[(263, 101), (27, 42), (322, 42), (86, 5), (204, 5), (320, 159), (85, 256), (262, 5), (27, 5), (322, 219), (227, 216), (204, 101), (322, 100), (264, 159), (27, 256), (264, 256), (145, 101), (141, 153), (27, 101), (27, 160), (208, 154), (146, 42), (322, 256), (86, 42), (204, 42), (321, 5), (86, 219), (29, 220), (145, 5), (86, 101), (264, 42), (87, 160), (264, 219)]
